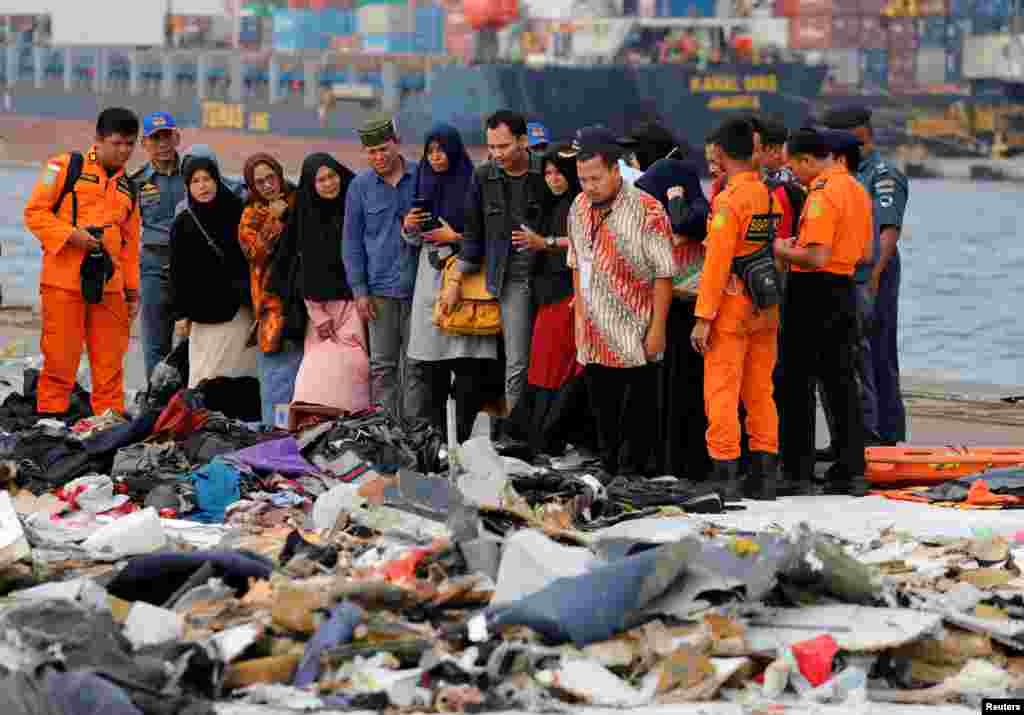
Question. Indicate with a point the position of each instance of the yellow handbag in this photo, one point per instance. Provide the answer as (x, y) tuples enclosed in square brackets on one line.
[(478, 313)]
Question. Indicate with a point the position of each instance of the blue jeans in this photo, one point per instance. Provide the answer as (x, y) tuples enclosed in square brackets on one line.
[(277, 380), (516, 328), (157, 320)]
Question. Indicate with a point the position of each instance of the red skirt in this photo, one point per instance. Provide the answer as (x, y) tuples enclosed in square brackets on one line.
[(553, 350)]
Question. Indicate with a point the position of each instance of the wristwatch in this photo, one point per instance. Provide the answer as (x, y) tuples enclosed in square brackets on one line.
[(549, 242)]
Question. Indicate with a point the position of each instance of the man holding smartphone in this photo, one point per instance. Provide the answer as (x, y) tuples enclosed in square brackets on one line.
[(505, 205)]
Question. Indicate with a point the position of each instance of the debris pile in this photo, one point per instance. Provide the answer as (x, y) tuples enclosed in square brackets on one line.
[(184, 562)]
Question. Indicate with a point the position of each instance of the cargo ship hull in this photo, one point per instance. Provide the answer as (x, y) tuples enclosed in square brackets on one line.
[(688, 100)]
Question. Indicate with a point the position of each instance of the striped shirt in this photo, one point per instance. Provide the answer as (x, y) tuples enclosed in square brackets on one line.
[(619, 253)]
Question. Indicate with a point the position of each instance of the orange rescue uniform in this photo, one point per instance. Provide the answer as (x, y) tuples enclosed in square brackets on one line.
[(837, 214), (68, 321), (744, 340)]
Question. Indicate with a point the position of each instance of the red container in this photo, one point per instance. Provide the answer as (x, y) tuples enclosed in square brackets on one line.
[(932, 8), (802, 8), (873, 7), (846, 7), (901, 33), (810, 33), (846, 31), (902, 69), (872, 35), (298, 4)]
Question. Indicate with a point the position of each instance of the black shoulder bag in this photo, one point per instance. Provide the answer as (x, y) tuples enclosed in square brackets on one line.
[(757, 270)]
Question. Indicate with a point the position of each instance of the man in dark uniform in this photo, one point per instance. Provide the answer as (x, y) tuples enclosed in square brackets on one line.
[(878, 280), (160, 188)]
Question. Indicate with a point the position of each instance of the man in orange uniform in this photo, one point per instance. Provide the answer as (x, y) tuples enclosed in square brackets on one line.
[(90, 239), (821, 311), (738, 340)]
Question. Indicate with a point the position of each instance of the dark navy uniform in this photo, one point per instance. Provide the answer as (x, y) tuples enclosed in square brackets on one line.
[(884, 413), (885, 418)]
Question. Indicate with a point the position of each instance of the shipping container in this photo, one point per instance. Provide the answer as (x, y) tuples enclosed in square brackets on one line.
[(991, 8), (430, 22), (802, 8), (396, 42), (873, 8), (930, 65), (770, 31), (685, 8), (846, 30), (384, 19), (961, 8), (810, 33), (902, 69), (954, 65), (874, 69), (931, 32), (987, 25), (846, 7), (298, 30), (956, 30), (844, 66), (932, 8), (872, 34), (901, 33), (298, 4)]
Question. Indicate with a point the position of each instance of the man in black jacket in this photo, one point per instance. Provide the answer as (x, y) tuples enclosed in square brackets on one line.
[(503, 218)]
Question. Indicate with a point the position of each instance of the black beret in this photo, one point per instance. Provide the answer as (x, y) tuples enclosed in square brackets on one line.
[(847, 118)]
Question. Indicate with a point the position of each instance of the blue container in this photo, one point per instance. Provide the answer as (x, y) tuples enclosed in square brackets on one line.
[(393, 42), (685, 8), (336, 23), (956, 31), (931, 32), (954, 65), (298, 30), (961, 8), (988, 25), (430, 23), (999, 9), (874, 68)]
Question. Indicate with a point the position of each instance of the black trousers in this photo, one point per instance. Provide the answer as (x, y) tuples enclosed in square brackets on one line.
[(819, 343), (624, 407), (472, 382)]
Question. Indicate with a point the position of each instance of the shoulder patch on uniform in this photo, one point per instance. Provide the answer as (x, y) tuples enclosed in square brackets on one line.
[(50, 174), (814, 209), (885, 201)]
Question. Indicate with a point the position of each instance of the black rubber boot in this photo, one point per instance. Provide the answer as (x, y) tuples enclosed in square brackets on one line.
[(839, 481), (761, 482), (725, 479), (798, 483)]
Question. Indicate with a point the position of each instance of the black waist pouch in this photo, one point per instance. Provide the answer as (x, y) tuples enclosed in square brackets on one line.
[(97, 269)]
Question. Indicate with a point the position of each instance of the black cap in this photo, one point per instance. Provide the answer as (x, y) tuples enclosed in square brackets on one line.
[(847, 118), (648, 133), (839, 140), (596, 140)]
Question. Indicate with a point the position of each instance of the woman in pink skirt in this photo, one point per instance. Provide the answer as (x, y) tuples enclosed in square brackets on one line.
[(335, 369)]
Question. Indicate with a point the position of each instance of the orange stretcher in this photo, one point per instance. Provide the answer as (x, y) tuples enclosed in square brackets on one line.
[(905, 466)]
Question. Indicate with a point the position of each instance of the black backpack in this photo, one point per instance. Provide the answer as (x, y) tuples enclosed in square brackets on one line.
[(75, 166)]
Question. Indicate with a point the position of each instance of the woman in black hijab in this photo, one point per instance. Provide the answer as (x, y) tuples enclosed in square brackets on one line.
[(554, 407), (681, 417), (210, 277), (335, 369)]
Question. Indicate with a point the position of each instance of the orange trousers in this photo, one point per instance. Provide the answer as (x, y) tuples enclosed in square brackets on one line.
[(69, 324), (739, 365)]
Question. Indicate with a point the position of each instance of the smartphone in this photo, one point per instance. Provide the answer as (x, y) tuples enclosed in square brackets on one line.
[(431, 223)]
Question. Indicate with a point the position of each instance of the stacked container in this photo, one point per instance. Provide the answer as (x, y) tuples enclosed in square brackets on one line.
[(900, 46)]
